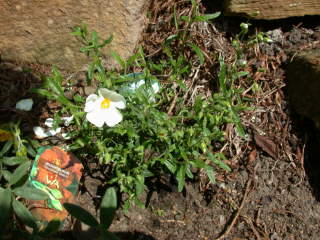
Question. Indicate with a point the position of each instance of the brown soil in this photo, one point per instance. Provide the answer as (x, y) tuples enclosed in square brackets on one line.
[(273, 189)]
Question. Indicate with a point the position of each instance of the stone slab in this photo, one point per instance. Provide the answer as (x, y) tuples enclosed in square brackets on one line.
[(39, 30)]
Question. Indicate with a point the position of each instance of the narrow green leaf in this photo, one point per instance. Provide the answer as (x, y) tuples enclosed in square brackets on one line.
[(5, 204), (108, 208), (198, 51), (207, 17), (24, 214), (216, 160), (170, 165), (139, 183), (42, 92), (107, 41), (211, 176), (19, 173), (81, 214), (30, 193), (12, 161), (181, 177), (188, 172), (119, 59)]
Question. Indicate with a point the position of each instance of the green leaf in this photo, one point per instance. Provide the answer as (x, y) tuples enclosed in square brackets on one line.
[(108, 208), (24, 214), (5, 204), (19, 173), (52, 227), (107, 41), (42, 92), (198, 51), (181, 177), (11, 161), (139, 182), (216, 160), (7, 175), (172, 166), (81, 214), (119, 59), (6, 148), (30, 193), (211, 176), (206, 17)]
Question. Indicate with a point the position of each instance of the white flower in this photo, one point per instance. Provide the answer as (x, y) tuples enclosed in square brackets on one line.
[(67, 120), (42, 133), (103, 108), (24, 104)]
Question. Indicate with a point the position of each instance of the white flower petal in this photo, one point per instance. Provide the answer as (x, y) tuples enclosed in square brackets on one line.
[(120, 105), (40, 132), (96, 118), (91, 102), (54, 132), (112, 117), (49, 122), (67, 120), (65, 135), (156, 87), (25, 104), (117, 99)]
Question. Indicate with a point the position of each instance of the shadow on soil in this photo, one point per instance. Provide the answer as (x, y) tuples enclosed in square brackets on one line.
[(15, 83), (311, 156)]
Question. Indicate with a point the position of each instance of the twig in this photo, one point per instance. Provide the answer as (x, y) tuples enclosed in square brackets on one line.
[(173, 221), (228, 229), (255, 231), (172, 105)]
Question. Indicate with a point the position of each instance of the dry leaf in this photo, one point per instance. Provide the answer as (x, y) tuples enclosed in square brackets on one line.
[(266, 144), (252, 156)]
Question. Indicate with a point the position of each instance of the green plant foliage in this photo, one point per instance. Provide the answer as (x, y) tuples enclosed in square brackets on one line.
[(150, 141), (107, 212)]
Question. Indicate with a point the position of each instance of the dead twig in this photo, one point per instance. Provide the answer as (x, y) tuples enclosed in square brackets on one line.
[(236, 216)]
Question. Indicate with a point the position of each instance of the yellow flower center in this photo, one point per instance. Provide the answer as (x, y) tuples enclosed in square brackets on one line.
[(105, 103)]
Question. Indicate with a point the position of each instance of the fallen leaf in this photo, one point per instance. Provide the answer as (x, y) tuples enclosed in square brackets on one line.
[(266, 144), (252, 156)]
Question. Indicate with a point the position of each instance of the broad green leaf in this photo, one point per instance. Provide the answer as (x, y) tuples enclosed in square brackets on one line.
[(5, 204), (81, 214), (30, 193), (181, 174), (108, 208), (19, 173), (7, 175), (6, 148), (11, 161), (52, 227), (24, 214)]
